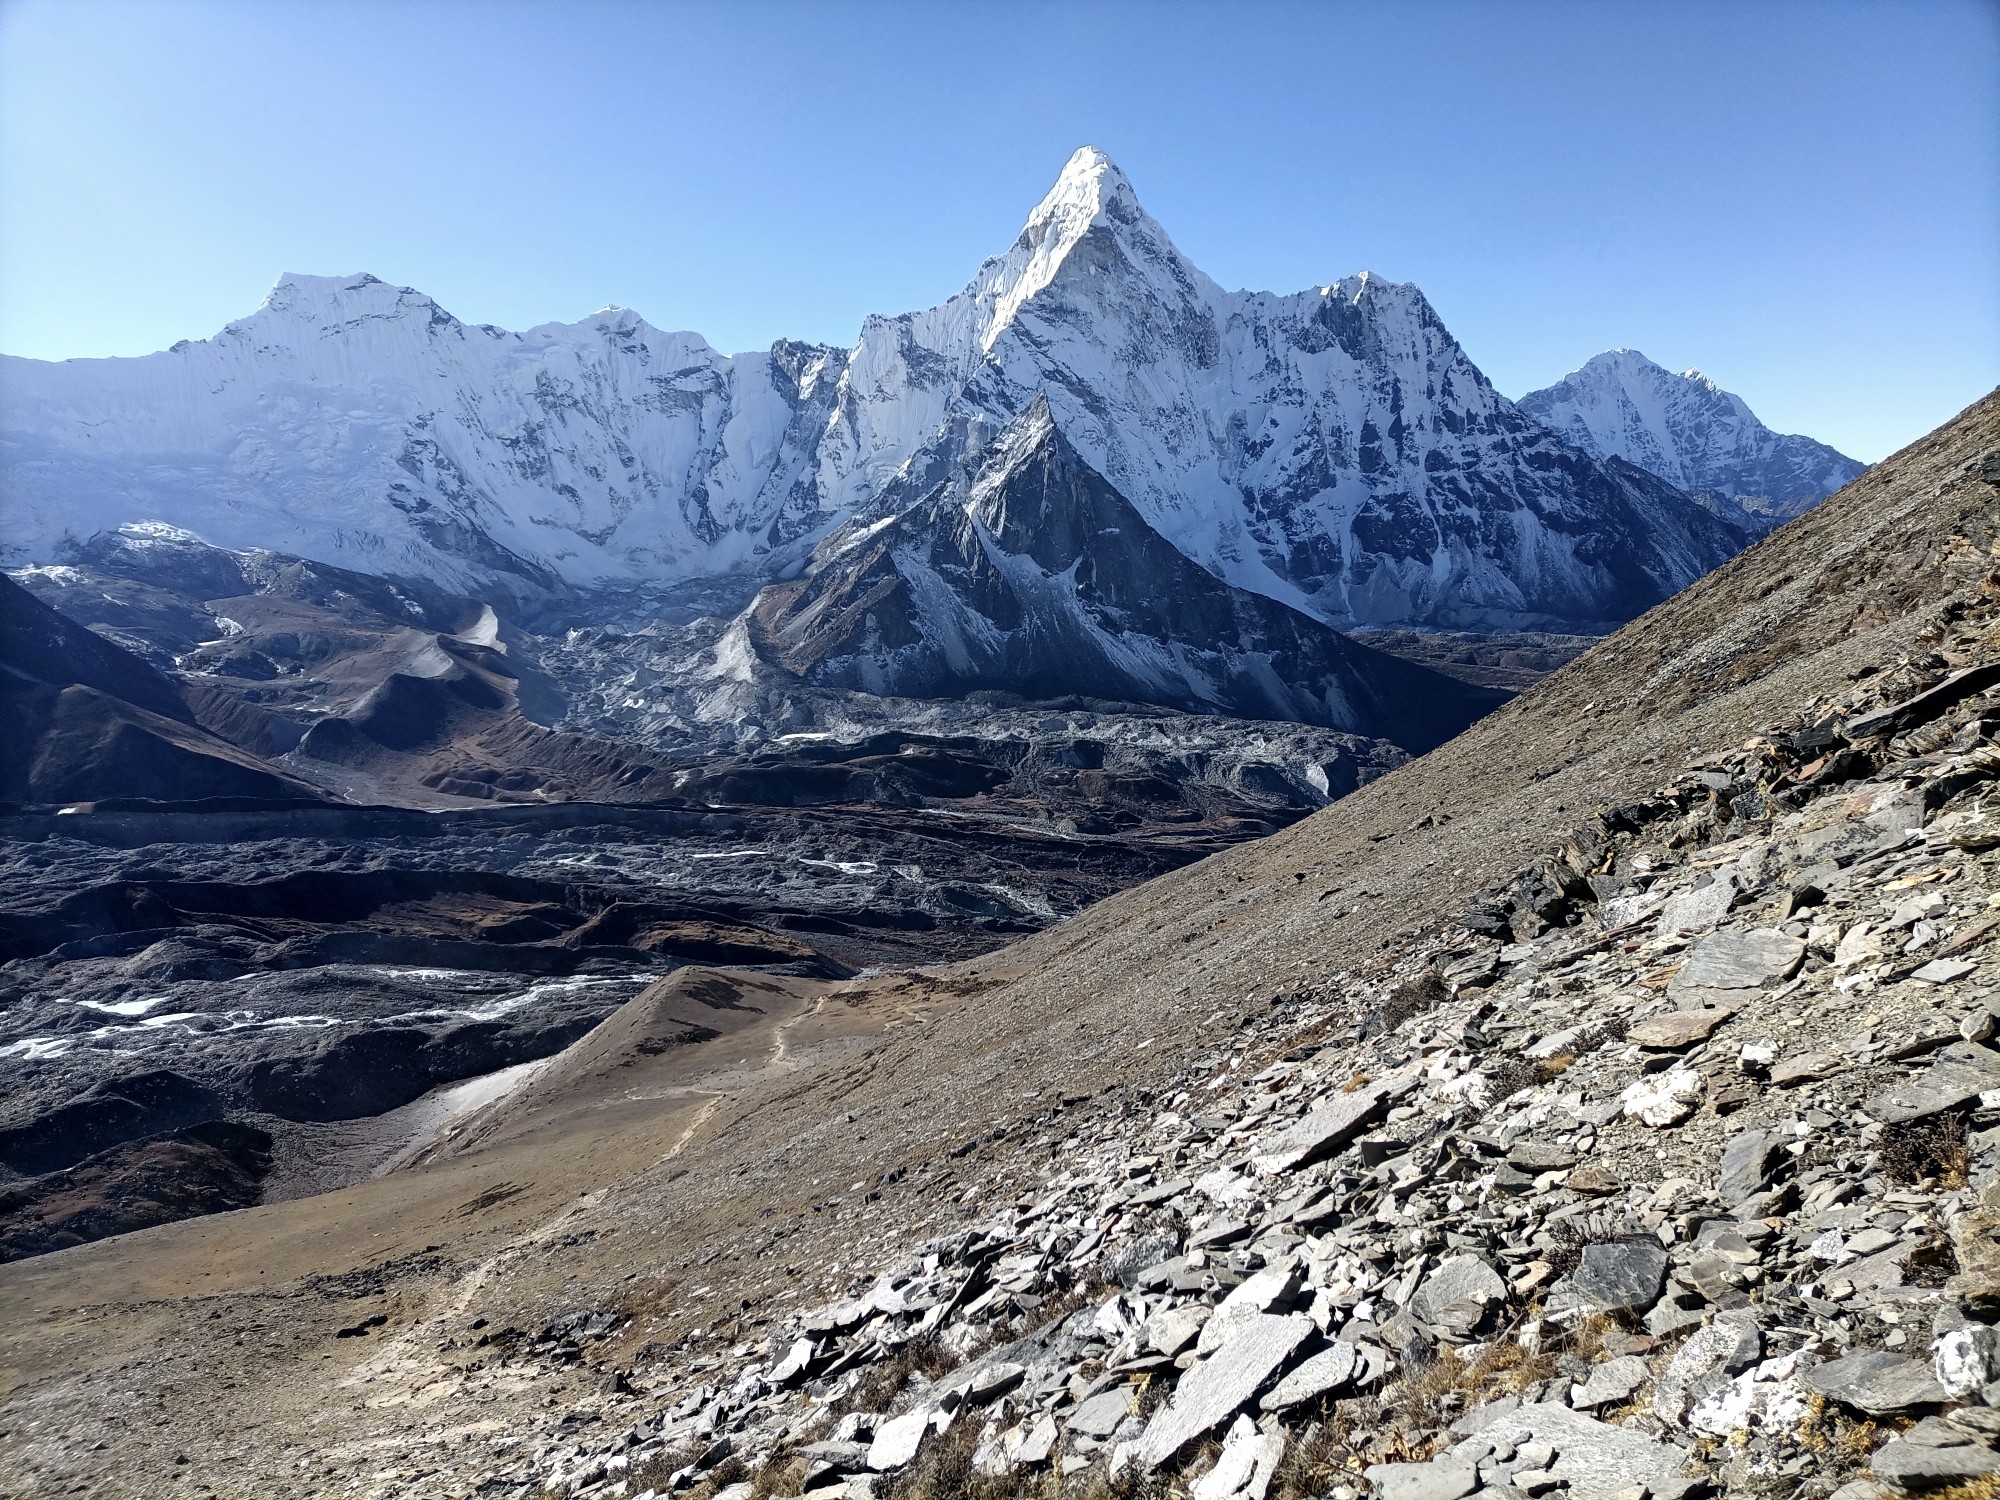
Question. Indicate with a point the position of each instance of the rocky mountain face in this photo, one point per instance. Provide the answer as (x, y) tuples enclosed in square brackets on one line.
[(1334, 449), (1690, 432), (1033, 576)]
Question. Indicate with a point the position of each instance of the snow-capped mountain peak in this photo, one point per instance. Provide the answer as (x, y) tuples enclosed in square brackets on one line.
[(1092, 201), (1692, 433), (1335, 448)]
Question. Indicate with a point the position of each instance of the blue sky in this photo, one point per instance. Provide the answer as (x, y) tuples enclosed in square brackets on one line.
[(1801, 199)]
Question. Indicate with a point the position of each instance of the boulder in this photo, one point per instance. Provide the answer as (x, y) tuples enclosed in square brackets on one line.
[(1623, 1276), (1875, 1381)]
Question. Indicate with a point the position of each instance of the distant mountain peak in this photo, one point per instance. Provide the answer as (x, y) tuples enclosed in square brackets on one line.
[(1692, 433)]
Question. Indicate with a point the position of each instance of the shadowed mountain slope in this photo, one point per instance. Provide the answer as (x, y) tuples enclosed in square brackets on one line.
[(1036, 577), (89, 720)]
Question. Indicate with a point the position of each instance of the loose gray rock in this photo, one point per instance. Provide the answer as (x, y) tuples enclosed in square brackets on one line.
[(1875, 1381), (1217, 1388), (1440, 1479), (1747, 1163), (1457, 1296), (1624, 1276)]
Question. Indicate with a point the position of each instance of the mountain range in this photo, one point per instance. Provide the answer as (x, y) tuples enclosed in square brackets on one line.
[(1334, 450)]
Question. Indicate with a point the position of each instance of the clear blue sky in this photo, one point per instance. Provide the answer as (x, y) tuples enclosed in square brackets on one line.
[(1802, 199)]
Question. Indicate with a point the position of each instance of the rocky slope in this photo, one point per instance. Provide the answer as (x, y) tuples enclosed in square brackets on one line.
[(1690, 432), (1671, 1082), (1335, 448)]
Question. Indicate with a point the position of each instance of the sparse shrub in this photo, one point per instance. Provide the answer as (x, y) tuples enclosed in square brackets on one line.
[(1570, 1236), (1412, 997), (880, 1386), (1509, 1076), (654, 1472), (1933, 1147), (784, 1473), (943, 1470), (1313, 1465)]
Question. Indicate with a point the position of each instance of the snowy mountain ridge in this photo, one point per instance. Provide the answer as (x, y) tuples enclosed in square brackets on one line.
[(1693, 434), (1333, 448)]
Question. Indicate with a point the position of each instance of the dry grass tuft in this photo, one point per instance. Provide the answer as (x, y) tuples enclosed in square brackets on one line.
[(881, 1385), (1931, 1148), (1412, 998), (784, 1473), (1974, 1489)]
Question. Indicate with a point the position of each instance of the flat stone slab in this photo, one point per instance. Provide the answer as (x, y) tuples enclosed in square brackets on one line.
[(1324, 1131), (1625, 1276), (1325, 1373), (1739, 961), (1925, 706), (1598, 1460), (1809, 1067), (1248, 1461), (1961, 1072), (1100, 1415), (1911, 1464), (1677, 1030), (1536, 1156), (1440, 1479), (1610, 1383), (1697, 910), (1706, 1362), (1218, 1387), (898, 1439), (1874, 1381), (1270, 1290), (1945, 970)]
